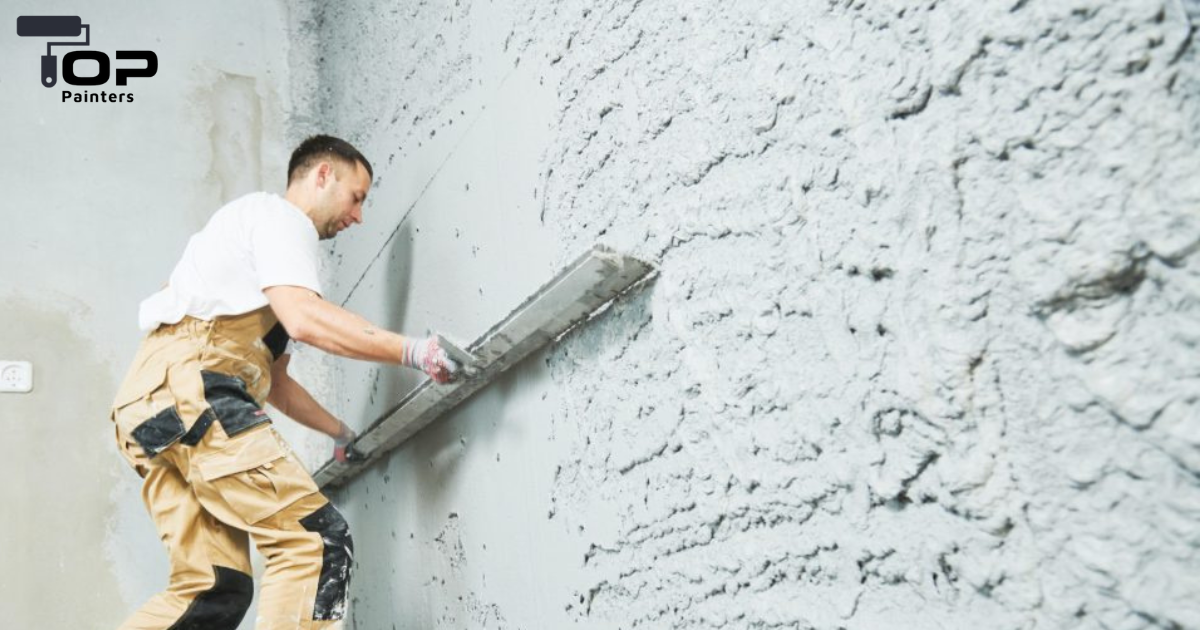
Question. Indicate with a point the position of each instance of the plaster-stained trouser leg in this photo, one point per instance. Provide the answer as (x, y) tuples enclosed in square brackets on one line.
[(249, 483), (210, 585), (189, 418), (312, 594), (254, 482)]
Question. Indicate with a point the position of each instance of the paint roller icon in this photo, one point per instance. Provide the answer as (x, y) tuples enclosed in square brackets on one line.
[(53, 26)]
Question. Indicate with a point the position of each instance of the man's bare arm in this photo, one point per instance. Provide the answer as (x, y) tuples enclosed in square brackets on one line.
[(293, 400), (296, 403), (310, 319)]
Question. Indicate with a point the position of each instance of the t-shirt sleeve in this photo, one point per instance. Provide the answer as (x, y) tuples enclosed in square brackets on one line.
[(284, 249)]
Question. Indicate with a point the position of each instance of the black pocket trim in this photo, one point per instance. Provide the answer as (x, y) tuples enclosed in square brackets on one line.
[(335, 561), (232, 405), (159, 432), (196, 433)]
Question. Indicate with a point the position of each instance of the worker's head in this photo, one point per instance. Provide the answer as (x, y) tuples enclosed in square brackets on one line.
[(328, 179)]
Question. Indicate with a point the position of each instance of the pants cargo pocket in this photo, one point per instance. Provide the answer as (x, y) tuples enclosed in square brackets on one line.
[(232, 403), (255, 475), (145, 413)]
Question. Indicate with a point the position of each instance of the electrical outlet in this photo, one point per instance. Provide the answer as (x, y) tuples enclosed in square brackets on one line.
[(16, 376)]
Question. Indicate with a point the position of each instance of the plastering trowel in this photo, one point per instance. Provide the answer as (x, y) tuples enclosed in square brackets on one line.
[(468, 363)]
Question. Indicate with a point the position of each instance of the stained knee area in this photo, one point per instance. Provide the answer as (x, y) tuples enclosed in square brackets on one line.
[(336, 558), (221, 607)]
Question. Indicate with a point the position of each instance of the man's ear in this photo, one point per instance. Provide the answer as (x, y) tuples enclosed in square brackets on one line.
[(324, 174)]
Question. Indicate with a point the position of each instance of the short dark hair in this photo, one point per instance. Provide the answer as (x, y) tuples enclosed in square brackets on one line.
[(321, 147)]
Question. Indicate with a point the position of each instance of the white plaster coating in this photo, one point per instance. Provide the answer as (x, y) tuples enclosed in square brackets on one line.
[(923, 349)]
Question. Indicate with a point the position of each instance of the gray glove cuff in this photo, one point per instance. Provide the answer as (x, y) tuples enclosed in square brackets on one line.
[(346, 436)]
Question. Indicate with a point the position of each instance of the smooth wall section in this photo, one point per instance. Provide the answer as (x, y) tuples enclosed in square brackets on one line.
[(99, 200), (922, 353)]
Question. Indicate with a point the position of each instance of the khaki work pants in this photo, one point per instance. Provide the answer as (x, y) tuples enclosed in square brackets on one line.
[(216, 475)]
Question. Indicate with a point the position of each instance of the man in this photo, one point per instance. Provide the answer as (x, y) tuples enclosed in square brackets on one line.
[(189, 414)]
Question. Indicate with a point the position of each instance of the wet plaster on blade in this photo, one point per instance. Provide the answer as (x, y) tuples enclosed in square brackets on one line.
[(62, 465)]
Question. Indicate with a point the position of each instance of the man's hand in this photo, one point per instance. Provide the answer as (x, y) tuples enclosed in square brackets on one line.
[(426, 355), (343, 446)]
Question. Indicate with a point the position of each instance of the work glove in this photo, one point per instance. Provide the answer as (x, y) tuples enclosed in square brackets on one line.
[(343, 446), (426, 355)]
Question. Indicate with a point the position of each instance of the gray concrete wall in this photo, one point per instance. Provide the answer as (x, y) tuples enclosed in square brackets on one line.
[(99, 200), (923, 352)]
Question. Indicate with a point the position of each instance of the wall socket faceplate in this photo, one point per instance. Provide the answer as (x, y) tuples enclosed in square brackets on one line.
[(16, 377)]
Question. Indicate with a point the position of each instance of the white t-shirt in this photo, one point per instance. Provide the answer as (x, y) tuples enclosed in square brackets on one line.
[(257, 241)]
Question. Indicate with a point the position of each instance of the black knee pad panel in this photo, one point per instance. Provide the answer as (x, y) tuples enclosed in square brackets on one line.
[(221, 607), (335, 561)]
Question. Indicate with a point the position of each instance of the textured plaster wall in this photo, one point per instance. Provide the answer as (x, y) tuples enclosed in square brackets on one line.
[(99, 200), (923, 352)]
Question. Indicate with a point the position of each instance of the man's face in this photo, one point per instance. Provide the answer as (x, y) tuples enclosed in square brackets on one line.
[(341, 196)]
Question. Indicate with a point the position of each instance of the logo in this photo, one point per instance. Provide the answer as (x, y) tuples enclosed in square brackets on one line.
[(72, 26)]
